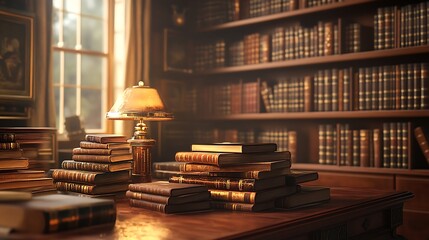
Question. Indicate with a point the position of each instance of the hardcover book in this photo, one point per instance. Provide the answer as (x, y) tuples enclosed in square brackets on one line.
[(167, 189), (308, 195), (55, 213), (12, 164), (105, 138), (423, 142), (247, 207), (227, 159), (22, 174), (98, 151), (194, 167), (25, 183), (168, 200), (103, 158), (87, 177), (297, 177), (96, 167), (93, 145), (230, 147), (91, 188), (235, 184), (178, 208), (251, 197), (10, 154)]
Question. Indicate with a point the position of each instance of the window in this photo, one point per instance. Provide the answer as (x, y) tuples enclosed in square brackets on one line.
[(80, 39)]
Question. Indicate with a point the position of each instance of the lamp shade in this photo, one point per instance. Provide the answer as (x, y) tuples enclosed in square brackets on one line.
[(139, 103)]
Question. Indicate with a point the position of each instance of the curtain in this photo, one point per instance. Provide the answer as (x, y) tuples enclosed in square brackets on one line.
[(43, 110), (137, 48)]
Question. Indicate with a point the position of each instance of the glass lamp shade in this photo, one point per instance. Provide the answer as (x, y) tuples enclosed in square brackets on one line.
[(139, 103)]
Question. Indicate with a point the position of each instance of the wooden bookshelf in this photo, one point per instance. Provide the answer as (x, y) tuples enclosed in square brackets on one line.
[(194, 124)]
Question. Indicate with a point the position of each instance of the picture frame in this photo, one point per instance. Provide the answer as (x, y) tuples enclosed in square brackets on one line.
[(16, 57), (176, 54), (13, 111)]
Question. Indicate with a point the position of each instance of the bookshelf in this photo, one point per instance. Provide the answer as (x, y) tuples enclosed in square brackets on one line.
[(200, 119)]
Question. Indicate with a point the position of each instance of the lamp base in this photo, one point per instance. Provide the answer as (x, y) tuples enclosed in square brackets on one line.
[(142, 159)]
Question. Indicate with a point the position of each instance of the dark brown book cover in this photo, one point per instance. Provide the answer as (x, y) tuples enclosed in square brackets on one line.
[(168, 200), (86, 177), (167, 188), (96, 167), (99, 151), (393, 145), (364, 147), (235, 184), (377, 148), (227, 159), (246, 207), (308, 94), (91, 188), (307, 195), (105, 138), (297, 177), (177, 208), (57, 212), (251, 197)]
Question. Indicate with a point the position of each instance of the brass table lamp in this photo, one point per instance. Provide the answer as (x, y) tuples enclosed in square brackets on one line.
[(140, 103)]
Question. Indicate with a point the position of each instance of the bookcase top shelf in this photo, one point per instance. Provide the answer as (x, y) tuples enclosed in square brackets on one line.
[(315, 115), (283, 15), (341, 58), (369, 170)]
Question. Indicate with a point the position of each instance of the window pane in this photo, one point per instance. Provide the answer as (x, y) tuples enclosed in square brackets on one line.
[(56, 3), (69, 30), (56, 65), (93, 7), (57, 104), (92, 71), (71, 6), (70, 68), (92, 34), (69, 102), (91, 108), (55, 27)]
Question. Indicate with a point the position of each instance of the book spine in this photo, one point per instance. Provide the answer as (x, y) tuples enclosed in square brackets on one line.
[(322, 144), (247, 207), (364, 148), (91, 158), (423, 142), (149, 190), (9, 145), (218, 183), (232, 196), (205, 158), (393, 144), (356, 148), (7, 137), (159, 207), (377, 149), (92, 145), (405, 126), (86, 166), (386, 145), (292, 145), (93, 138), (73, 176), (147, 197), (83, 151), (58, 221), (74, 187), (169, 166)]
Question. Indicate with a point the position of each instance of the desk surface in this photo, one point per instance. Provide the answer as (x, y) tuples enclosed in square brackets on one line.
[(349, 213)]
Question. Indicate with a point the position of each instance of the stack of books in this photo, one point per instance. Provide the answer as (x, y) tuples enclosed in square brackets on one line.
[(99, 167), (166, 197), (245, 177), (306, 195), (14, 173)]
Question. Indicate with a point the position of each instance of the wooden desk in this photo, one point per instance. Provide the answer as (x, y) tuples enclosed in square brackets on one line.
[(350, 214)]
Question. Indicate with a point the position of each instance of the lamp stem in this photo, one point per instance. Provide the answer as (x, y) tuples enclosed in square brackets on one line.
[(140, 130)]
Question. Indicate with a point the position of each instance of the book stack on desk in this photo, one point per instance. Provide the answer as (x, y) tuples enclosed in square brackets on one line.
[(166, 197), (305, 195), (99, 167), (14, 173), (244, 177)]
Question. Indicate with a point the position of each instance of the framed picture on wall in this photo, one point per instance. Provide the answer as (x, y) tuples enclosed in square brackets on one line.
[(176, 52), (16, 56)]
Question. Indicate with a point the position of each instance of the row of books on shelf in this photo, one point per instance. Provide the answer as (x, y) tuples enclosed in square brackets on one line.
[(386, 147), (391, 30), (214, 12), (401, 26), (388, 87)]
